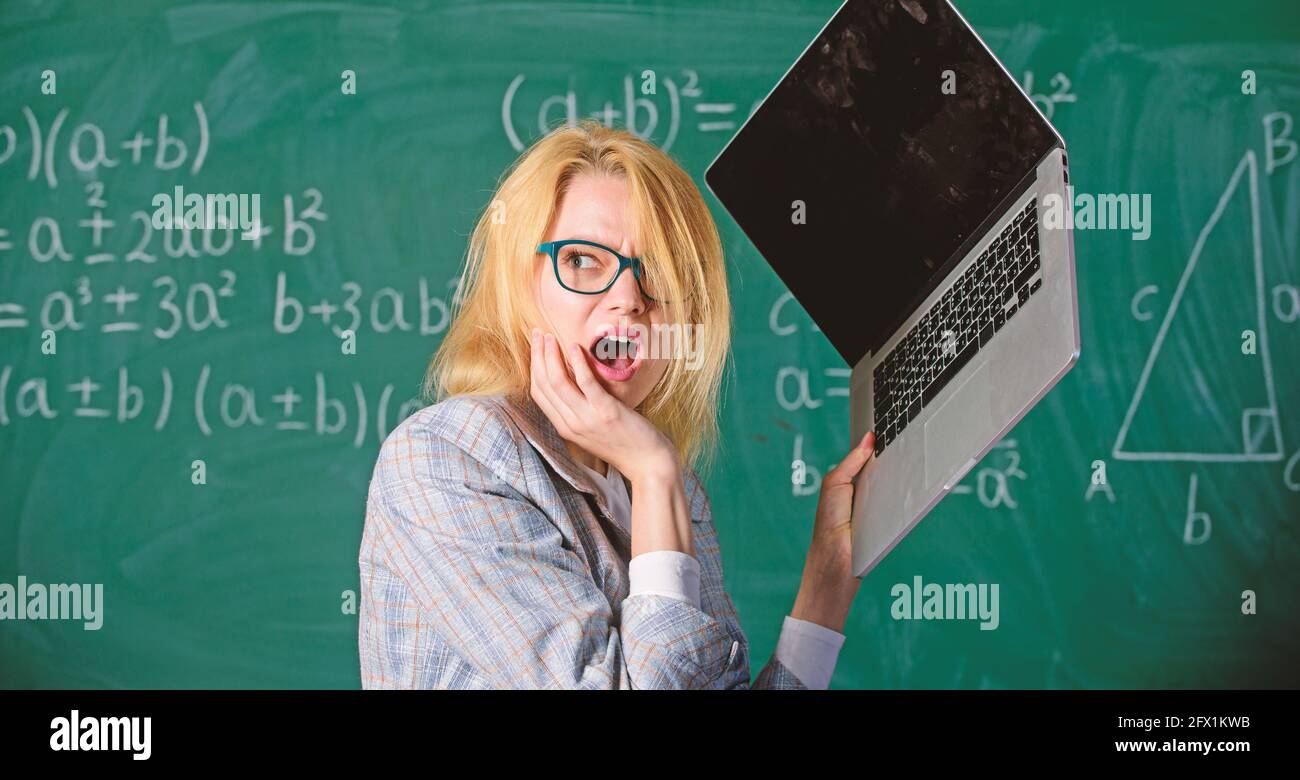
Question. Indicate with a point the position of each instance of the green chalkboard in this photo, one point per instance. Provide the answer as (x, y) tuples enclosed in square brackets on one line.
[(166, 352)]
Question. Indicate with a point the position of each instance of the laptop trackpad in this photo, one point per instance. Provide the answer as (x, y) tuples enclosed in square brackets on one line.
[(959, 429)]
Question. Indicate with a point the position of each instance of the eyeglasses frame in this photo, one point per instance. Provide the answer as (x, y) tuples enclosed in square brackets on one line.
[(553, 249)]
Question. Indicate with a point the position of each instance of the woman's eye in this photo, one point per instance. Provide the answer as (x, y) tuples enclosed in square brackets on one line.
[(575, 258)]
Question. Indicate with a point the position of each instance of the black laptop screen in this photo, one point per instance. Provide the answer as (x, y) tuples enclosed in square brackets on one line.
[(894, 173)]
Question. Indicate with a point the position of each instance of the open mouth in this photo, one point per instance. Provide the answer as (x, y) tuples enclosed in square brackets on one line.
[(616, 357)]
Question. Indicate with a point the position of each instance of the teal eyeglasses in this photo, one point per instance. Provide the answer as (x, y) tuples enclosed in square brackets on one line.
[(589, 268)]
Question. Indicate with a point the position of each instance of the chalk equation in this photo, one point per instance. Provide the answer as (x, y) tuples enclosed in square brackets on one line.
[(165, 307), (314, 405), (87, 148), (97, 239), (648, 105)]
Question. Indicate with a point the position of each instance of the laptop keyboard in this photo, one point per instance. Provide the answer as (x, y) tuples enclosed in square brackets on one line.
[(984, 298)]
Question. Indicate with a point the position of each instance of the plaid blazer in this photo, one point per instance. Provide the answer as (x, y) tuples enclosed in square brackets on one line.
[(490, 559)]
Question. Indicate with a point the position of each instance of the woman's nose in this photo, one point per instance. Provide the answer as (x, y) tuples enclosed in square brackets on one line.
[(625, 292)]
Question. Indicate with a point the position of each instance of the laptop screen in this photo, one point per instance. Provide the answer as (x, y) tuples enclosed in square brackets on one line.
[(894, 173)]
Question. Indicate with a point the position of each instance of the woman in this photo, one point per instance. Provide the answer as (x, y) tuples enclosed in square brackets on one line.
[(542, 525)]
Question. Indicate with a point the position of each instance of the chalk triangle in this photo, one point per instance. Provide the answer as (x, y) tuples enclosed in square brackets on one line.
[(1199, 397)]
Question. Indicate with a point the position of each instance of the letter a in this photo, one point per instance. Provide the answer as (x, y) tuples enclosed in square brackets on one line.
[(1248, 82)]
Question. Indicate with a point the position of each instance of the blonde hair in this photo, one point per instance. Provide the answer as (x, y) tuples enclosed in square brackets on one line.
[(486, 350)]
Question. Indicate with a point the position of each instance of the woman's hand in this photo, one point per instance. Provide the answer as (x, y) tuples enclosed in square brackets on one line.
[(589, 416), (828, 586)]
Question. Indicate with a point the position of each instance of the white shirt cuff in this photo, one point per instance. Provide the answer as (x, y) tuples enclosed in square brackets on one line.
[(665, 573), (809, 651)]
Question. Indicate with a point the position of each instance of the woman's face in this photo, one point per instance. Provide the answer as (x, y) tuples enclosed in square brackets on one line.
[(594, 209)]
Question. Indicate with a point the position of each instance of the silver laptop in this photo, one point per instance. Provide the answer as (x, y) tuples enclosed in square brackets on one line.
[(894, 179)]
